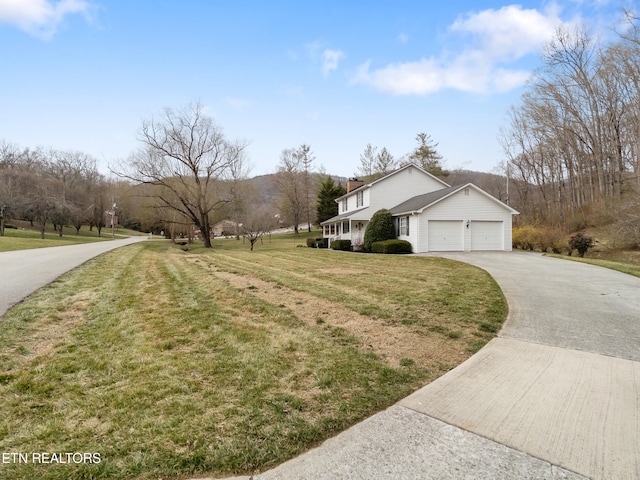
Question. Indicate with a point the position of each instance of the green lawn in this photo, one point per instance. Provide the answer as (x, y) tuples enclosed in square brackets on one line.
[(24, 238), (625, 261), (170, 361)]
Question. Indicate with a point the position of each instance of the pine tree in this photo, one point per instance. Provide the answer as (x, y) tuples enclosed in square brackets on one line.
[(329, 191)]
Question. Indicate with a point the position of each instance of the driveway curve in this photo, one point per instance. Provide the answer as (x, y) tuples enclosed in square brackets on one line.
[(555, 396), (25, 271)]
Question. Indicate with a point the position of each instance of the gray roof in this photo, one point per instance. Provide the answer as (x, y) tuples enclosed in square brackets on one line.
[(421, 201), (344, 216)]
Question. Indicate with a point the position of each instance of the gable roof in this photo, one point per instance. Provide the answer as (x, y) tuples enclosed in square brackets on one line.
[(395, 172), (420, 202)]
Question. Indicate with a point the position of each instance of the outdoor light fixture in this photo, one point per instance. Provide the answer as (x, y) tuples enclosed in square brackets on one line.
[(468, 223)]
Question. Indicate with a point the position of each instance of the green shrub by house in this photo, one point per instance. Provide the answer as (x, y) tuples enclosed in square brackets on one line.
[(391, 246), (341, 245), (321, 243), (379, 229)]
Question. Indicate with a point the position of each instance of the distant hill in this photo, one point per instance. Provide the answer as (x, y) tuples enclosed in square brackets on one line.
[(268, 191), (494, 184)]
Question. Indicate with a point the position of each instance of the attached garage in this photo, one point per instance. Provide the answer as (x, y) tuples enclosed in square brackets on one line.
[(462, 218), (446, 235), (487, 235)]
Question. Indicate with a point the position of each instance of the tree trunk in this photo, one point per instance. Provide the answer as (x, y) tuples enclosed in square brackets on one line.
[(205, 231)]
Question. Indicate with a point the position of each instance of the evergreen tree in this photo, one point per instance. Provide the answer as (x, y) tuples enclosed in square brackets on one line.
[(426, 156), (329, 191)]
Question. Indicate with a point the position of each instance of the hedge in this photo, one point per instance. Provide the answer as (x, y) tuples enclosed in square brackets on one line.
[(391, 246), (341, 245)]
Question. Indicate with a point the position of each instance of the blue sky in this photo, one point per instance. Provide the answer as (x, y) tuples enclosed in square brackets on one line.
[(83, 74)]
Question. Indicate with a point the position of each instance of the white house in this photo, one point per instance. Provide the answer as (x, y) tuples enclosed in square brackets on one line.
[(429, 213)]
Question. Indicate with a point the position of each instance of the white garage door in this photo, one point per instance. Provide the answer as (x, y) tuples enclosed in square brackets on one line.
[(445, 235), (486, 236)]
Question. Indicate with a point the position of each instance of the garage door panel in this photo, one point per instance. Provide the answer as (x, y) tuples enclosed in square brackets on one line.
[(486, 235), (446, 236)]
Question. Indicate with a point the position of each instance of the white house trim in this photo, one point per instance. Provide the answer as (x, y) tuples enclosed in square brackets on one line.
[(439, 217)]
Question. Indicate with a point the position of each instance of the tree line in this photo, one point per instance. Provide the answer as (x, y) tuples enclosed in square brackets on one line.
[(185, 177), (573, 142), (51, 186)]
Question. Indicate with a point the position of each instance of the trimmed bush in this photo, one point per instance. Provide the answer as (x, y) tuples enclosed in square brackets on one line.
[(391, 246), (341, 245), (311, 242), (322, 243), (379, 229)]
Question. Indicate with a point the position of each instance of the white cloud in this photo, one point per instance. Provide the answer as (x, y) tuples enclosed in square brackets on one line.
[(509, 32), (40, 17), (492, 39), (330, 59)]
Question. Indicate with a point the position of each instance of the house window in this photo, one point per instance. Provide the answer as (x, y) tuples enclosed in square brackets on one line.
[(333, 229), (403, 226), (345, 227), (344, 205), (359, 199)]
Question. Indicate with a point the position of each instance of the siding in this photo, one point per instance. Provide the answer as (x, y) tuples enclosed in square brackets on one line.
[(474, 206), (400, 187)]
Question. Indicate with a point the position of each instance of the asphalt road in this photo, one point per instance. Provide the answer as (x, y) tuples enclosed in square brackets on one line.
[(22, 272)]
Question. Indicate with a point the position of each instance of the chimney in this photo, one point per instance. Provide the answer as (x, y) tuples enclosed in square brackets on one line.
[(353, 183)]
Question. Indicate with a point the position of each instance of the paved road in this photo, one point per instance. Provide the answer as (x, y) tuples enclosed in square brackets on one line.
[(555, 396), (25, 271)]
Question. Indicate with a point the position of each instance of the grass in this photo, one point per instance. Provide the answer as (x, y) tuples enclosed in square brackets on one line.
[(173, 363), (26, 237), (625, 261)]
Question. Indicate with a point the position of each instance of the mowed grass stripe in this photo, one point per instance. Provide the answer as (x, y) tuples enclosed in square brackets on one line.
[(167, 370), (421, 291)]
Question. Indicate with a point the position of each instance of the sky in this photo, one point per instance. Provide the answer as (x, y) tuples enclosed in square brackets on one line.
[(336, 75)]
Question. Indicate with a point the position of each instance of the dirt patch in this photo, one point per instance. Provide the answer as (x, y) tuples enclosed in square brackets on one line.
[(340, 271)]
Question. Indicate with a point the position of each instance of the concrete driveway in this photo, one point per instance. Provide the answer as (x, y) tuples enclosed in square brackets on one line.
[(555, 395), (25, 271)]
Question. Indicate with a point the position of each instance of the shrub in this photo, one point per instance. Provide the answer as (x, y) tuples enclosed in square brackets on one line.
[(380, 228), (321, 243), (391, 246), (311, 242), (580, 242), (534, 237), (341, 245)]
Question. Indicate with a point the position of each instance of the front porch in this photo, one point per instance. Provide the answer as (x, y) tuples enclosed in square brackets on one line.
[(344, 229)]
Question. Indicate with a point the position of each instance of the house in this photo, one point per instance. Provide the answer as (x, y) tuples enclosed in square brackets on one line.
[(225, 228), (432, 215)]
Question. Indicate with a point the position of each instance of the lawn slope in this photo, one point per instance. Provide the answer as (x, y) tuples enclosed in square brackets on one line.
[(168, 362)]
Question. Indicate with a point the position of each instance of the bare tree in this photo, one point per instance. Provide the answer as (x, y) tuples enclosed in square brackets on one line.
[(289, 182), (186, 157), (368, 161), (256, 223), (573, 141), (385, 163), (374, 164), (306, 158)]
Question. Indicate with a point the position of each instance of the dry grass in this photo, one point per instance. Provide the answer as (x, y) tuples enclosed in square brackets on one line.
[(171, 363)]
